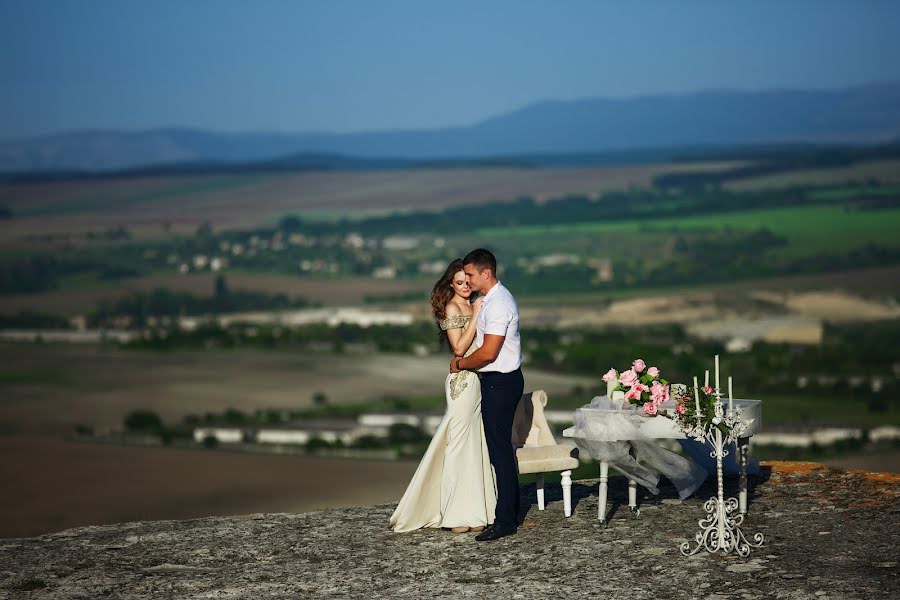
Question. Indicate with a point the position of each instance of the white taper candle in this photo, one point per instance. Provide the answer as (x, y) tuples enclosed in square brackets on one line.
[(697, 398), (730, 396), (717, 372), (706, 378)]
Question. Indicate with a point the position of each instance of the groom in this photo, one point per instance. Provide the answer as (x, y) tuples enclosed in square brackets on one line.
[(497, 362)]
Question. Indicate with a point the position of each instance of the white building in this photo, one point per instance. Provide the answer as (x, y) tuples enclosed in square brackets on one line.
[(222, 434), (384, 273), (301, 433), (398, 242)]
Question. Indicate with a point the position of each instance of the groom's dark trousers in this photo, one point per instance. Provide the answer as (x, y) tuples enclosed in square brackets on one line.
[(500, 394)]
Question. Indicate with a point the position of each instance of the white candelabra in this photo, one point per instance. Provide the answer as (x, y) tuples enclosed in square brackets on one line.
[(721, 529)]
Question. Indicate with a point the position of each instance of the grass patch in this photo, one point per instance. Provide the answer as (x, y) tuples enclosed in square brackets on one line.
[(854, 192), (825, 410)]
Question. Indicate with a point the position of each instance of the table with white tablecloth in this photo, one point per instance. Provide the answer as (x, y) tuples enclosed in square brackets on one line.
[(627, 439)]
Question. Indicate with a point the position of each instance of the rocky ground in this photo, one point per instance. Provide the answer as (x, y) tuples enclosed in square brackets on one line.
[(828, 534)]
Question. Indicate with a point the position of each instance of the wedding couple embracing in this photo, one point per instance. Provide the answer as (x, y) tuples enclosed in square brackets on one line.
[(468, 480)]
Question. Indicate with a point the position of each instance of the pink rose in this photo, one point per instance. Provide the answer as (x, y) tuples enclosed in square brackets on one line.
[(708, 389), (650, 408), (611, 375), (636, 390), (638, 365), (628, 378), (659, 392), (679, 408), (653, 372)]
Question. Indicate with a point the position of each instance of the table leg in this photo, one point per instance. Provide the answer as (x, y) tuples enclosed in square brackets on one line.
[(601, 509), (632, 497), (539, 489), (743, 448)]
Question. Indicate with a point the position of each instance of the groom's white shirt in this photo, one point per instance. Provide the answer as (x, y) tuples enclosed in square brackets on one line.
[(499, 315)]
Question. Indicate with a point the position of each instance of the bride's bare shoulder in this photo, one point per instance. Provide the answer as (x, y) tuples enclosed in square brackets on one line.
[(453, 309)]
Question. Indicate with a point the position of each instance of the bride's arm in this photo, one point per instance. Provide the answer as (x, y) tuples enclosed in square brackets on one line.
[(461, 338)]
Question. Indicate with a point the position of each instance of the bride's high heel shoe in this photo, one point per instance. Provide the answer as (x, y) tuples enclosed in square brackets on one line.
[(461, 529)]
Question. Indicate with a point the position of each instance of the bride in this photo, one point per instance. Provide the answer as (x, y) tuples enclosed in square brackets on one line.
[(453, 487)]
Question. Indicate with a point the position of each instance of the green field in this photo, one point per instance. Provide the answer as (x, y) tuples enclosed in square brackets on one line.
[(809, 230), (854, 192)]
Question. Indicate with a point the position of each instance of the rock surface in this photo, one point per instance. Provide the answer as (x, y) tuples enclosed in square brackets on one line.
[(828, 534)]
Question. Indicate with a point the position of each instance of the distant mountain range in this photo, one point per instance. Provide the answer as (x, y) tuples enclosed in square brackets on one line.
[(856, 115)]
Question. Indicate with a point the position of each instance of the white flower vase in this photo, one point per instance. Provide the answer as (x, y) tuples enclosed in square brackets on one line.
[(617, 400)]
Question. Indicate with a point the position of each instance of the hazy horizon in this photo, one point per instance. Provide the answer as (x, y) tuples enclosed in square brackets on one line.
[(487, 117)]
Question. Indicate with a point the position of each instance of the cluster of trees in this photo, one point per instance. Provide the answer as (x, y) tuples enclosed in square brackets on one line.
[(159, 303), (33, 320), (44, 271)]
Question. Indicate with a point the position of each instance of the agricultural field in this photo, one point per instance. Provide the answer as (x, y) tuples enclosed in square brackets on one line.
[(156, 206), (809, 230), (80, 297), (886, 171)]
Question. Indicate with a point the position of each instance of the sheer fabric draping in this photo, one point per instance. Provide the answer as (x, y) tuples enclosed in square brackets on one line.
[(613, 433)]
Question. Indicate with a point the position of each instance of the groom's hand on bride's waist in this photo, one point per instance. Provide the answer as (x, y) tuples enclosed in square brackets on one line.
[(485, 355)]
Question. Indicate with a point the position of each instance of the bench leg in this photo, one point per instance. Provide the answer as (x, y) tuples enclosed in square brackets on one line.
[(566, 483), (539, 489), (604, 478)]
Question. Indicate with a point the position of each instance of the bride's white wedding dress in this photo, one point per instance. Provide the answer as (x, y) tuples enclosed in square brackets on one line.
[(454, 483)]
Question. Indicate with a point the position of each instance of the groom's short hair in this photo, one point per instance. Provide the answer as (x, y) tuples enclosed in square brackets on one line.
[(482, 259)]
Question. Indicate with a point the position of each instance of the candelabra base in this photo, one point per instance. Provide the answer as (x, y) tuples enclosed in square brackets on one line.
[(721, 530)]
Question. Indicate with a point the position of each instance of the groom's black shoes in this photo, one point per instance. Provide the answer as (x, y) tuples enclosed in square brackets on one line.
[(495, 532)]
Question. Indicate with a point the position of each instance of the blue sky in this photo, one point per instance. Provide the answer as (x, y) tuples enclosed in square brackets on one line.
[(373, 65)]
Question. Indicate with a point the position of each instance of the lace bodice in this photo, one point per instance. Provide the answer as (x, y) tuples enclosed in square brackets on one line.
[(455, 322), (458, 322)]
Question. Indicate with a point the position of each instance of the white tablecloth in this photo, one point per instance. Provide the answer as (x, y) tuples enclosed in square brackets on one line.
[(625, 438)]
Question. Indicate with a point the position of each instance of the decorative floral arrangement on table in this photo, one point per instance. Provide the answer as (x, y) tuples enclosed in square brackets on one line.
[(686, 406), (641, 386), (686, 403)]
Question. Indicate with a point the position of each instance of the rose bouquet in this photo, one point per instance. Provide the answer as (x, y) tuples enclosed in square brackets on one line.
[(641, 386)]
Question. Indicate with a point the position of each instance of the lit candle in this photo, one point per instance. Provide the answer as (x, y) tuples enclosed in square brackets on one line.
[(730, 396), (697, 398), (706, 379), (717, 372)]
